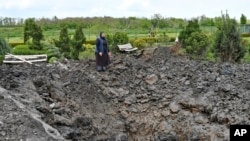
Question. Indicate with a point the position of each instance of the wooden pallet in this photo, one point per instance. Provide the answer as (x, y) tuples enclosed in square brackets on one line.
[(16, 59)]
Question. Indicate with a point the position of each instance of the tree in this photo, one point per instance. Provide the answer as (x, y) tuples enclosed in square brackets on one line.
[(192, 26), (228, 45), (28, 28), (243, 19), (64, 42), (31, 29), (37, 36), (4, 47), (77, 42)]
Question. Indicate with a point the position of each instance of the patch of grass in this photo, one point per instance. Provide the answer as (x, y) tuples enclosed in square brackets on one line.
[(24, 50), (87, 54)]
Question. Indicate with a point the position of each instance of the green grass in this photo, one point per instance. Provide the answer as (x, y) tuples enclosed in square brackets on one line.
[(87, 54)]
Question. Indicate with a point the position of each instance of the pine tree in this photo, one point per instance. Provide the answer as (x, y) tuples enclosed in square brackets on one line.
[(243, 19), (64, 42), (228, 42), (77, 42)]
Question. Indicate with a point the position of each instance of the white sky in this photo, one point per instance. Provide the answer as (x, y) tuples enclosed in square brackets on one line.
[(122, 8)]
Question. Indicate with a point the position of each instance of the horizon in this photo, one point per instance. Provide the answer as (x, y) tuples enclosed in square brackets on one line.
[(122, 9)]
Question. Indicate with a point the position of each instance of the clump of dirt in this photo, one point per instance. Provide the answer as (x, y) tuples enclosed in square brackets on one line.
[(151, 96)]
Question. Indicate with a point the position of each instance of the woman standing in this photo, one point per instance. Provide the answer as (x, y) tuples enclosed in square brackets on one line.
[(102, 53)]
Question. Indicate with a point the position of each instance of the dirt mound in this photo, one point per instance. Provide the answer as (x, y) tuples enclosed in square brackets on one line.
[(154, 96)]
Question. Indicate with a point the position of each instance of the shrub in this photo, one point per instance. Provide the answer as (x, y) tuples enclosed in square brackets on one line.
[(228, 46), (51, 50), (139, 43), (24, 50), (92, 42), (118, 38), (4, 47), (172, 39), (197, 44), (17, 43), (245, 35), (53, 60)]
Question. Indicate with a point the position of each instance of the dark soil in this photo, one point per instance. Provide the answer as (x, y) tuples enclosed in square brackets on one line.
[(152, 97)]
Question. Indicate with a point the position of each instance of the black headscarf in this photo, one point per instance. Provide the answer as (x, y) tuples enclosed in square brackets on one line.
[(101, 35)]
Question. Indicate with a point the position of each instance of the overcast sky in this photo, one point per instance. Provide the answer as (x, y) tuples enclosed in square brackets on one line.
[(122, 8)]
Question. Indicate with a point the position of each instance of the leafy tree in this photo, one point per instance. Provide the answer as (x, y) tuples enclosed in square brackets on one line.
[(4, 47), (243, 19), (64, 42), (228, 45), (192, 26), (77, 42)]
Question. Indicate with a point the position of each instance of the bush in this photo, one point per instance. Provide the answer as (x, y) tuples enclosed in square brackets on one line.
[(139, 43), (53, 60), (1, 59), (197, 44), (51, 50), (15, 44), (92, 42), (24, 50), (4, 47), (245, 35), (118, 38), (172, 39), (228, 45)]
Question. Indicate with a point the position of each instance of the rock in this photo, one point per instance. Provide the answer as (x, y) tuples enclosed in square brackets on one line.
[(165, 113), (151, 79), (200, 119), (174, 107), (130, 100), (227, 87)]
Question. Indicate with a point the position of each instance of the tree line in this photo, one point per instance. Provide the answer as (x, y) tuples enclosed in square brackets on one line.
[(156, 21)]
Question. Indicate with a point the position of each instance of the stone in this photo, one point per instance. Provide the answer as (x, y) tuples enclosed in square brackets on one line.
[(174, 107), (151, 79)]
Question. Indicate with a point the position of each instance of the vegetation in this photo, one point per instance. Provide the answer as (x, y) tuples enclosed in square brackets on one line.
[(64, 42), (228, 45), (77, 43), (4, 47), (31, 29), (56, 37)]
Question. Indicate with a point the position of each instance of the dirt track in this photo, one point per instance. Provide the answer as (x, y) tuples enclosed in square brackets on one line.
[(159, 98)]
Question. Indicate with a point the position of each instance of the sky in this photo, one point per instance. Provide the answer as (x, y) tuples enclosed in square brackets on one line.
[(123, 8)]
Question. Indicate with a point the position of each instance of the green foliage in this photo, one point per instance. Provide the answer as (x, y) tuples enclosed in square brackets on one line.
[(28, 28), (110, 39), (243, 19), (139, 43), (51, 50), (31, 29), (228, 45), (87, 54), (245, 35), (197, 44), (53, 60), (24, 50), (92, 42), (64, 42), (119, 38), (193, 26), (77, 42), (1, 58), (13, 44), (4, 47)]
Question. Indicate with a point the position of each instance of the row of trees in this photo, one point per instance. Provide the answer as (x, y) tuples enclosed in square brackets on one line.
[(227, 44), (157, 20), (70, 48)]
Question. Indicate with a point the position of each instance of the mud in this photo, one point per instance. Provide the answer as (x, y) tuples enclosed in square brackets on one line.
[(151, 97)]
